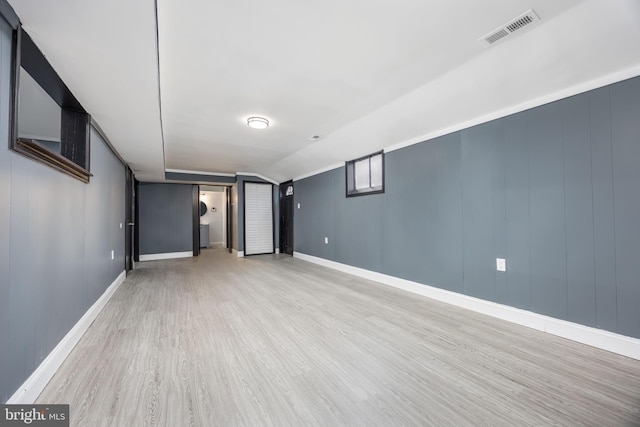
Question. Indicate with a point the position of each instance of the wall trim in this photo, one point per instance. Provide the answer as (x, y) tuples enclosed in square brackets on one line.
[(257, 175), (190, 172), (239, 254), (33, 386), (321, 170), (605, 340), (603, 81), (609, 79), (169, 255)]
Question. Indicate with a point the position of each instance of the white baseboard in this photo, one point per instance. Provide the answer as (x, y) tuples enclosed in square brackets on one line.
[(615, 343), (239, 254), (169, 255), (33, 386)]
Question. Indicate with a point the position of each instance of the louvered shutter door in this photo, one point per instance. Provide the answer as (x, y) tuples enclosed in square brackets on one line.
[(258, 226)]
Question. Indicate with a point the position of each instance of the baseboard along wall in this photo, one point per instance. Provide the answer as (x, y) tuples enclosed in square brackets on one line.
[(169, 255), (609, 341), (33, 386)]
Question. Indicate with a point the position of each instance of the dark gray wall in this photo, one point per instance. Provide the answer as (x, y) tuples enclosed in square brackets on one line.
[(554, 190), (56, 237), (165, 218), (9, 382)]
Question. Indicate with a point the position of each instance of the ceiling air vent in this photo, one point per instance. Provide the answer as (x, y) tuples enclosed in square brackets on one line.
[(523, 21)]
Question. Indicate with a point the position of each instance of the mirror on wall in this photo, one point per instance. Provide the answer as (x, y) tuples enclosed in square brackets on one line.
[(49, 125), (203, 208), (39, 116)]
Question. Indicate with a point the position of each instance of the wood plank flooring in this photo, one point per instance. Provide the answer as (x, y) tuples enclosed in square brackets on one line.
[(275, 341)]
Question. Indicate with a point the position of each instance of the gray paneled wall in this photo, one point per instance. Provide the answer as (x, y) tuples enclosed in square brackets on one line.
[(165, 218), (554, 190), (8, 381), (56, 238)]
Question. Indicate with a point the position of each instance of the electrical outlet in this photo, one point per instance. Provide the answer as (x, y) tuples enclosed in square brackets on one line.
[(326, 240), (501, 264), (120, 226), (113, 255), (298, 205)]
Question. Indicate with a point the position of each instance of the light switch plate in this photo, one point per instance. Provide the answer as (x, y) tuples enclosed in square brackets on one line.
[(501, 264), (326, 240)]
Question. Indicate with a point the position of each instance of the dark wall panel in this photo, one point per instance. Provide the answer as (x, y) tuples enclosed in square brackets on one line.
[(448, 247), (407, 231), (603, 214), (625, 131), (304, 190), (316, 213), (165, 223), (358, 236), (517, 221), (322, 210), (477, 205), (547, 214), (581, 286), (106, 190), (61, 236), (554, 190), (5, 205), (240, 218)]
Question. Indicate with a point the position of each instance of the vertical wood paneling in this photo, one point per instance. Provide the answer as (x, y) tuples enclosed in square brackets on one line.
[(477, 191), (56, 235), (545, 188), (579, 210), (316, 213), (499, 210), (603, 214), (449, 248), (547, 198), (625, 131), (6, 376), (301, 225), (428, 214), (406, 233), (517, 211), (166, 218), (358, 235)]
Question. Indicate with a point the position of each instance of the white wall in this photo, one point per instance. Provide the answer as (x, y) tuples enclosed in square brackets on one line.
[(217, 220)]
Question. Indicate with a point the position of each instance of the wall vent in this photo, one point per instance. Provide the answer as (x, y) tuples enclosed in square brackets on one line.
[(518, 23)]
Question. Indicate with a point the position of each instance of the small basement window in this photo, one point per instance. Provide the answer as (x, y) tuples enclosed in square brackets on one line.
[(365, 175), (49, 124)]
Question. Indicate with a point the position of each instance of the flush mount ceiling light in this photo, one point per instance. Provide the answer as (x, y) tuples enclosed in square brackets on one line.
[(257, 122)]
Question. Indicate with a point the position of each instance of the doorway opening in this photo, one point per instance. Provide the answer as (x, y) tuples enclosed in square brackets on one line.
[(286, 217), (214, 217)]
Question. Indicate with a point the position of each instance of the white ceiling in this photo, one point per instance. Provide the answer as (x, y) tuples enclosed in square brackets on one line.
[(363, 75)]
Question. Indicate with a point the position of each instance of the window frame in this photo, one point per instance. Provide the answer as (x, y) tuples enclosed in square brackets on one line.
[(350, 186), (75, 132)]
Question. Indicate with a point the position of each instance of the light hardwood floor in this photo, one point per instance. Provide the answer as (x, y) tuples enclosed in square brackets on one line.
[(271, 340)]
